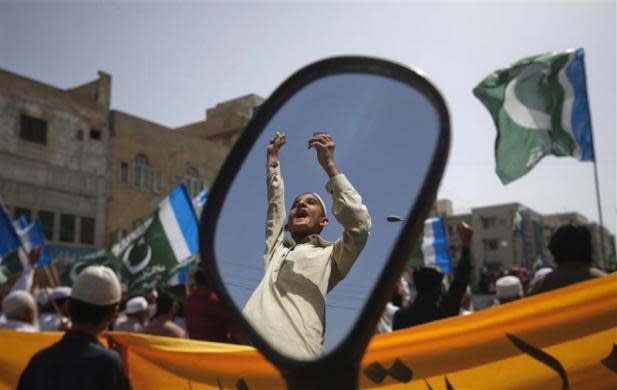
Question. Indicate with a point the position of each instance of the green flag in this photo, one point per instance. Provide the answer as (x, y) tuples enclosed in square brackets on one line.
[(155, 250), (539, 106), (10, 267)]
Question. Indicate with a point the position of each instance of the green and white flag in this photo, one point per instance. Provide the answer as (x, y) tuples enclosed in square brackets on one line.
[(539, 106), (153, 252)]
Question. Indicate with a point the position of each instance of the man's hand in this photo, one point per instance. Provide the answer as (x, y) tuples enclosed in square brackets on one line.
[(324, 144), (465, 233), (274, 146), (34, 255)]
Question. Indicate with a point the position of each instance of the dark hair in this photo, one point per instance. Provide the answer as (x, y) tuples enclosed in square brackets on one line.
[(88, 313), (164, 303), (200, 278), (571, 243), (427, 279)]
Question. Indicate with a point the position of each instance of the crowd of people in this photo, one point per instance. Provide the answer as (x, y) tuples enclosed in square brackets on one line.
[(283, 309), (437, 298), (95, 304)]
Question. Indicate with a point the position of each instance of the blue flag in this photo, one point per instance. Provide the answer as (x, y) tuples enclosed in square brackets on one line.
[(32, 235), (9, 240)]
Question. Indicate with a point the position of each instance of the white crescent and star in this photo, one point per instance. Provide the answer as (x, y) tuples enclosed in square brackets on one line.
[(142, 264)]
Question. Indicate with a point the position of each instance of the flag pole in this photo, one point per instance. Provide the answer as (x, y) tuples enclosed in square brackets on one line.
[(595, 172)]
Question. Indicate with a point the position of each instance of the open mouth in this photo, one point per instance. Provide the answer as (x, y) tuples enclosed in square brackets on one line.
[(301, 213)]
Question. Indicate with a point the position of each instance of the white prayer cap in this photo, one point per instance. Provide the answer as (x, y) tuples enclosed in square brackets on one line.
[(15, 305), (60, 292), (509, 287), (42, 296), (97, 285), (542, 272), (135, 305), (323, 204)]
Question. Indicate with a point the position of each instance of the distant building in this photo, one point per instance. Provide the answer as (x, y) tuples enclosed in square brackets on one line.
[(512, 234), (150, 159), (225, 122), (91, 174), (55, 158)]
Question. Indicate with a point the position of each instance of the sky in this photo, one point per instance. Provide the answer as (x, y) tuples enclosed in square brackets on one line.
[(171, 61)]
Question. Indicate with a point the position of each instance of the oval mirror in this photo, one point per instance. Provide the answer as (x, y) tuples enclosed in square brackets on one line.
[(301, 276)]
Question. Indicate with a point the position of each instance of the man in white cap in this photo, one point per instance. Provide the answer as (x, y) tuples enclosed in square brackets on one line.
[(20, 312), (78, 360), (136, 316), (288, 308), (509, 288), (54, 315)]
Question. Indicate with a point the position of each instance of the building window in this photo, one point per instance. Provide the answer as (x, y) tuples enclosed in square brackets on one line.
[(47, 221), (488, 222), (86, 235), (157, 181), (67, 228), (19, 211), (95, 134), (193, 184), (124, 172), (490, 244), (33, 129), (141, 172)]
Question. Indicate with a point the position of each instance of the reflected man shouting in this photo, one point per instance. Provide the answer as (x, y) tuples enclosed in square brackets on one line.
[(288, 307)]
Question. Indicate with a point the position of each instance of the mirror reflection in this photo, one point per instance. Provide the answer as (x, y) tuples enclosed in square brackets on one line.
[(341, 155)]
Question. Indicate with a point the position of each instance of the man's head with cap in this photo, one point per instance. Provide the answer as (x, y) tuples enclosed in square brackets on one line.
[(95, 297), (137, 307), (509, 288), (307, 216), (20, 306)]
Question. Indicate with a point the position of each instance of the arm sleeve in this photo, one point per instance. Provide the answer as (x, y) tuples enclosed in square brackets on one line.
[(353, 216), (26, 278), (450, 305), (275, 217)]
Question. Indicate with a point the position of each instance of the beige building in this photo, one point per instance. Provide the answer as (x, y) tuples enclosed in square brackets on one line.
[(55, 158), (90, 174), (150, 159), (224, 122)]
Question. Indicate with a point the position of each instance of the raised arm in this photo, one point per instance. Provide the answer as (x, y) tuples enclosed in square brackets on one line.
[(275, 217), (347, 208)]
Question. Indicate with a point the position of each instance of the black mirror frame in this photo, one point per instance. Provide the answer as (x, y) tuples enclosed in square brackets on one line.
[(340, 367)]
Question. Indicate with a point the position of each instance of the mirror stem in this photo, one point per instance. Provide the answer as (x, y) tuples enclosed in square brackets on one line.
[(320, 377)]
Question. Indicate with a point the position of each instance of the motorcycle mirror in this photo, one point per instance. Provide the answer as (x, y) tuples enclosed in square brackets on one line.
[(311, 305)]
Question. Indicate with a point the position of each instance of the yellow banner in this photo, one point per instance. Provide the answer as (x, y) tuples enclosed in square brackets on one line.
[(564, 339)]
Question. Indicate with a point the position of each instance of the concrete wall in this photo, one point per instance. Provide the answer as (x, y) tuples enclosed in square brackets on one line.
[(70, 173)]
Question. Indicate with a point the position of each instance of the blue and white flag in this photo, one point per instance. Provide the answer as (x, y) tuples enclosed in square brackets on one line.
[(182, 274), (32, 235), (540, 107), (432, 247), (9, 239)]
